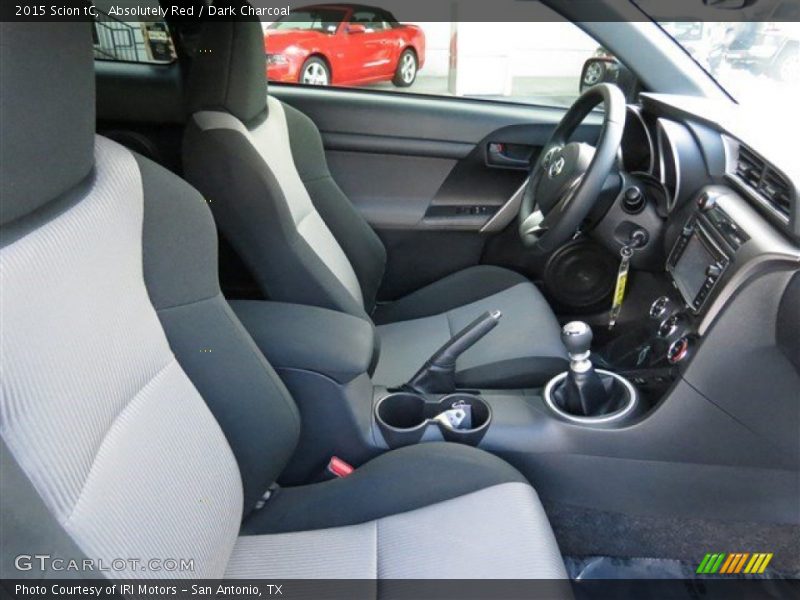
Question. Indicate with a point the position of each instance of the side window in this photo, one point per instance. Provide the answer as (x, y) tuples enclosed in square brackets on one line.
[(537, 59), (371, 20), (132, 41)]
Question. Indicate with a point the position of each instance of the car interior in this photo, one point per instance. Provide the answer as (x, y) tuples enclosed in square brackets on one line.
[(296, 332)]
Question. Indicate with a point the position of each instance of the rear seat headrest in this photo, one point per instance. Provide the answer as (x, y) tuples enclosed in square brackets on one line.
[(229, 70)]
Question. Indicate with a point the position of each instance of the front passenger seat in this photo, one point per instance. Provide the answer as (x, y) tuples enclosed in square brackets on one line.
[(261, 164), (138, 420)]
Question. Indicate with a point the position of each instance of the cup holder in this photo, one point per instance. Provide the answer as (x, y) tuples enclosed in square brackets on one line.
[(404, 418), (481, 418)]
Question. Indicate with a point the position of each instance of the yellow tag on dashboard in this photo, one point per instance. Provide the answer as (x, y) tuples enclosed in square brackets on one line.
[(619, 291), (622, 282)]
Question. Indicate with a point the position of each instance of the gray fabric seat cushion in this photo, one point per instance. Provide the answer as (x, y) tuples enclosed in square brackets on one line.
[(398, 481), (524, 350), (454, 539), (434, 510)]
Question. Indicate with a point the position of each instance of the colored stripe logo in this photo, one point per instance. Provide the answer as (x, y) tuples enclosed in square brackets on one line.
[(733, 563)]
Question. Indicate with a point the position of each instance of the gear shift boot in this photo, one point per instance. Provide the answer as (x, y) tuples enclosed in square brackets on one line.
[(590, 394), (583, 392)]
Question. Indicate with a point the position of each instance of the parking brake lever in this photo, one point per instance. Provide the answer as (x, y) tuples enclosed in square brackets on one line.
[(437, 375)]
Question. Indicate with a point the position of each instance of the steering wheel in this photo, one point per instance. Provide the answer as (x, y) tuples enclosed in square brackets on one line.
[(566, 179)]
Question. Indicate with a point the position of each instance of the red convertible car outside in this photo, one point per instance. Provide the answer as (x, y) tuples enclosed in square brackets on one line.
[(343, 44)]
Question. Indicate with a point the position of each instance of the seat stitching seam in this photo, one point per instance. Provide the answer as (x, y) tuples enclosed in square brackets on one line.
[(189, 303)]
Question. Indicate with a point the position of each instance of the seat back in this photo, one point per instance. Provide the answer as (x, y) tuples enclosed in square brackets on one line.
[(109, 298), (262, 168)]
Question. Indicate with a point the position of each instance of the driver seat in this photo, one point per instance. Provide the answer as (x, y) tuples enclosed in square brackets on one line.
[(261, 165)]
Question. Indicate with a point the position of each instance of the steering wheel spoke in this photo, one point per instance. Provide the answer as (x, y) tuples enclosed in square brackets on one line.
[(566, 180), (534, 225)]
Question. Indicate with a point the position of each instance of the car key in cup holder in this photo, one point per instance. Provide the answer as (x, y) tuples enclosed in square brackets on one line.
[(458, 416), (452, 418)]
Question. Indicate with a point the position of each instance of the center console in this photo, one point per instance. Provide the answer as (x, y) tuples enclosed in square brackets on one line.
[(702, 260)]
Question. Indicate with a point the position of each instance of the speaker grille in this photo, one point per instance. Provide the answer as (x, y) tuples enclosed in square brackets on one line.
[(580, 276)]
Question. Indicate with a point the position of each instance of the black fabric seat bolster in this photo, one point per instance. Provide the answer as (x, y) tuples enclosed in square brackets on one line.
[(245, 395), (453, 291), (358, 240), (395, 482), (285, 267)]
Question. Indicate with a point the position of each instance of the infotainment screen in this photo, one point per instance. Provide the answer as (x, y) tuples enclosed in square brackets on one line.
[(690, 271)]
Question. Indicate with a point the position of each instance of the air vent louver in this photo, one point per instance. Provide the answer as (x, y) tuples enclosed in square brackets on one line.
[(765, 181), (749, 167), (776, 190)]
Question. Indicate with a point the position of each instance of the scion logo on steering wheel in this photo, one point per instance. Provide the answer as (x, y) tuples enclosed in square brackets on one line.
[(550, 155), (554, 170)]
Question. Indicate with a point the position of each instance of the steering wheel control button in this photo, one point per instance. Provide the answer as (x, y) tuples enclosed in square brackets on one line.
[(659, 307), (633, 200), (678, 350)]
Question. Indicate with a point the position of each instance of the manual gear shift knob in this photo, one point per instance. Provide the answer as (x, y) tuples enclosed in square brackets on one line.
[(577, 338)]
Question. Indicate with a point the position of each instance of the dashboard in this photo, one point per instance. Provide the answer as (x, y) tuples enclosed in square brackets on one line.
[(716, 210)]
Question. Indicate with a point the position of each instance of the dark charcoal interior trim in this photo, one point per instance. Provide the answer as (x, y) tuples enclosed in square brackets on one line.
[(402, 146)]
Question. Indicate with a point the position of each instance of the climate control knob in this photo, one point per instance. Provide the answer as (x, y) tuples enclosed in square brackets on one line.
[(659, 307), (678, 350), (669, 325)]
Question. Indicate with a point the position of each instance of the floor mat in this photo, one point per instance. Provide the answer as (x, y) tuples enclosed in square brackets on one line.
[(668, 579), (609, 567)]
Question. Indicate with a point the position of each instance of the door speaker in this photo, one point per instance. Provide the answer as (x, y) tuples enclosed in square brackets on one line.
[(580, 277)]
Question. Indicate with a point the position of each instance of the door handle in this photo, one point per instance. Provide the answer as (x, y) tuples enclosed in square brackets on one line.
[(510, 156)]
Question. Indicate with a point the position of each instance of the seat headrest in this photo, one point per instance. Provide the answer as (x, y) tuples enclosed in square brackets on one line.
[(229, 70), (47, 118)]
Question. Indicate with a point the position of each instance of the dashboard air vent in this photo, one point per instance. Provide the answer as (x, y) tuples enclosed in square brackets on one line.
[(762, 179), (749, 167), (776, 190)]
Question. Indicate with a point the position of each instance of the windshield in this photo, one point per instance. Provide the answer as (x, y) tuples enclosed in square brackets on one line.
[(755, 62), (324, 20)]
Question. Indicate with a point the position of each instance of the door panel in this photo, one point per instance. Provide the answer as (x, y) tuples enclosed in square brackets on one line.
[(406, 185), (428, 173)]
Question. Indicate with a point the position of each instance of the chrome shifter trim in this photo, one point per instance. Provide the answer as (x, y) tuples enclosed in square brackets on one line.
[(609, 418)]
